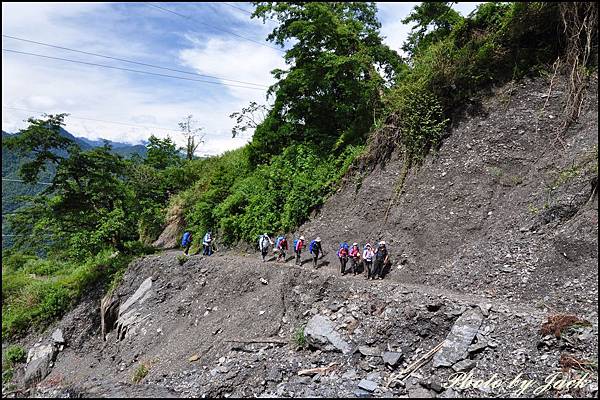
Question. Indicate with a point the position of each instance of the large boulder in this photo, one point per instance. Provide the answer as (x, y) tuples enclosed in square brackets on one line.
[(129, 315), (320, 332), (39, 363), (456, 346)]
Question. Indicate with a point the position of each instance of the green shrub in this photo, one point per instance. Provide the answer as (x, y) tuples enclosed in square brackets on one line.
[(140, 373), (299, 339), (15, 354)]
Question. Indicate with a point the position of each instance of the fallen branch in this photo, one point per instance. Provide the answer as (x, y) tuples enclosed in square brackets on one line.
[(319, 370), (416, 365), (265, 340)]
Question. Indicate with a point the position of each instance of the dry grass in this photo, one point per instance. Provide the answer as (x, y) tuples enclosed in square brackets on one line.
[(558, 323), (568, 362)]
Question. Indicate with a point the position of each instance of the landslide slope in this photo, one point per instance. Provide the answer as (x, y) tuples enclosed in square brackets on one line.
[(506, 208)]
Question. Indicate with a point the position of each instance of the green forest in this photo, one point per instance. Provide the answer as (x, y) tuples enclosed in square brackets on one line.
[(345, 103)]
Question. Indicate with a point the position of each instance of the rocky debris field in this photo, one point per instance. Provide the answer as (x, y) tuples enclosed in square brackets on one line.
[(230, 325)]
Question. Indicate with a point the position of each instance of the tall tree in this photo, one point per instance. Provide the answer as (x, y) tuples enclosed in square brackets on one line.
[(332, 86), (162, 153), (194, 136), (433, 21)]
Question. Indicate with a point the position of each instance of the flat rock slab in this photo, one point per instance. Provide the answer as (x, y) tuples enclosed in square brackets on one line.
[(369, 386), (461, 335), (392, 358), (369, 351), (320, 333)]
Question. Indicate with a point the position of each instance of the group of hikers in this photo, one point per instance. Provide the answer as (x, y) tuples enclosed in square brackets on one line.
[(372, 258), (207, 240)]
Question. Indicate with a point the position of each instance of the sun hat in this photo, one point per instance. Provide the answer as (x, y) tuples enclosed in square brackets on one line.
[(301, 237), (354, 244), (318, 239), (382, 243)]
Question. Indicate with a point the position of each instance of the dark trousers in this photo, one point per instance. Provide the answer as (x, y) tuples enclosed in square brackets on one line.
[(354, 264), (264, 253), (315, 258), (281, 255), (187, 248), (343, 261), (298, 257), (369, 268), (207, 250), (378, 268)]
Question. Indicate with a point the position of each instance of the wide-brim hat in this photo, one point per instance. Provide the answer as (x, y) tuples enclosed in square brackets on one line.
[(301, 237), (382, 243), (354, 244), (318, 239)]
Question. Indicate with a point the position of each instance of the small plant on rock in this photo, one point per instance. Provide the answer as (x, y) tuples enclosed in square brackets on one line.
[(182, 259), (140, 373), (15, 354), (299, 339)]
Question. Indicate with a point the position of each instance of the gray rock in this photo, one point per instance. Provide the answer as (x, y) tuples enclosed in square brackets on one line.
[(320, 333), (392, 358), (369, 351), (420, 393), (39, 363), (57, 337), (457, 342), (350, 374), (369, 386), (485, 309), (464, 365), (362, 393), (449, 394)]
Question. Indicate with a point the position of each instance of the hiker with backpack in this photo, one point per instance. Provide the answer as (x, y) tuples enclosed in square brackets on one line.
[(281, 246), (186, 241), (207, 244), (368, 255), (264, 241), (298, 245), (381, 259), (315, 248), (343, 256), (354, 256)]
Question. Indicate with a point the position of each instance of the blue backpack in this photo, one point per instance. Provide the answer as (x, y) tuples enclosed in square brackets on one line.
[(186, 239), (311, 247), (295, 243), (344, 245), (279, 239)]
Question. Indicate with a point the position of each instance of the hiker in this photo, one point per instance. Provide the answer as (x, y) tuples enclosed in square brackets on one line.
[(368, 260), (281, 246), (343, 256), (186, 241), (263, 245), (207, 244), (298, 244), (381, 259), (354, 255), (315, 248)]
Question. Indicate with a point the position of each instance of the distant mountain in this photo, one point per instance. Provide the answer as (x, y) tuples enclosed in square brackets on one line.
[(11, 163)]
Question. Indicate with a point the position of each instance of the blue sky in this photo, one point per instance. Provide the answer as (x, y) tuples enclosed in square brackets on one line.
[(138, 32)]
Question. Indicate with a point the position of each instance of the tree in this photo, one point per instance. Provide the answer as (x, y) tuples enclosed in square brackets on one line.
[(434, 22), (331, 89), (88, 205), (249, 118), (162, 153), (43, 140), (192, 135)]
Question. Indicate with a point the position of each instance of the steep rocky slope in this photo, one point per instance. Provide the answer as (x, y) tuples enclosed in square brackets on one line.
[(489, 238)]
